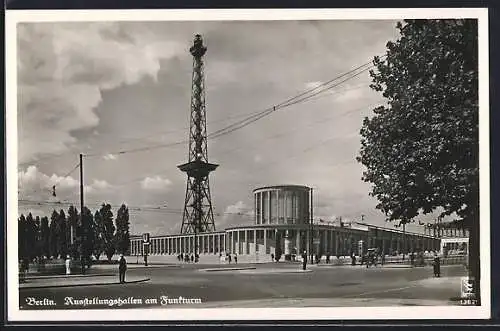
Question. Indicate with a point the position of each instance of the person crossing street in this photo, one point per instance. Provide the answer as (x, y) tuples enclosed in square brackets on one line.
[(122, 269), (304, 260)]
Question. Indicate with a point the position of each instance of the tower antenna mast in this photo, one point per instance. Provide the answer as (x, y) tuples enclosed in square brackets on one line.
[(198, 213)]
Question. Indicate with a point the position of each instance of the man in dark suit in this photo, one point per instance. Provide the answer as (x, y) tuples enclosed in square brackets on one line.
[(122, 268), (304, 260)]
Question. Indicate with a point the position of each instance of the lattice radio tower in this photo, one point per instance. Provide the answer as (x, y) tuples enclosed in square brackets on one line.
[(198, 214)]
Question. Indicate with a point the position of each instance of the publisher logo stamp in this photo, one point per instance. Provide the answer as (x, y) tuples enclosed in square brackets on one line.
[(467, 293)]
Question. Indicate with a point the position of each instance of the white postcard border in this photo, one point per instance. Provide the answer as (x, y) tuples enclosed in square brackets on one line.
[(333, 313)]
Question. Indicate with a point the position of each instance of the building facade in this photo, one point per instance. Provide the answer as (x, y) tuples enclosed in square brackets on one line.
[(283, 225)]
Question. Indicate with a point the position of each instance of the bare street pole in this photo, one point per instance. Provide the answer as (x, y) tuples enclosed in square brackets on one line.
[(81, 201), (311, 240)]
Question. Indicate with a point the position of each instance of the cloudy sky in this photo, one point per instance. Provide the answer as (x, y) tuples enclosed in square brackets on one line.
[(101, 88)]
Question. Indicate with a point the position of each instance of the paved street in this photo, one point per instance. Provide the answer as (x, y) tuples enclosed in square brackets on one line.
[(267, 285)]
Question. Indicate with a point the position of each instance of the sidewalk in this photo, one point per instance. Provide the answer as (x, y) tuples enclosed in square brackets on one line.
[(70, 281), (134, 266), (226, 269), (30, 278), (318, 302)]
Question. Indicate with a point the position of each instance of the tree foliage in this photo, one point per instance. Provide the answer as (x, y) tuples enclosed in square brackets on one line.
[(73, 220), (62, 236), (94, 234), (99, 243), (86, 233), (122, 236), (421, 149), (45, 236), (54, 220), (21, 237), (108, 230)]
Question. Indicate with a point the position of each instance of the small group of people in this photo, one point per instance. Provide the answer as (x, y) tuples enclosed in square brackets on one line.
[(185, 257), (229, 257), (372, 257)]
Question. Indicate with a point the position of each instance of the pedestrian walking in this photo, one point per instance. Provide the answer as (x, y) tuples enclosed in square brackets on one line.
[(122, 268), (82, 265), (437, 266), (304, 260), (235, 258), (68, 265)]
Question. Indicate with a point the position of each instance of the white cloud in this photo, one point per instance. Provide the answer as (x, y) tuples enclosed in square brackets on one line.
[(35, 184), (32, 181), (312, 85), (100, 184), (109, 157), (63, 69), (238, 207), (156, 183), (236, 214)]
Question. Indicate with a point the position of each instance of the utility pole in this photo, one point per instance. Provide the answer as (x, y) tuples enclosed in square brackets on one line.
[(81, 205), (311, 240)]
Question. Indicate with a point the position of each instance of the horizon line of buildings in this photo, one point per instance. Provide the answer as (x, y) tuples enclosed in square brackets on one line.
[(283, 224)]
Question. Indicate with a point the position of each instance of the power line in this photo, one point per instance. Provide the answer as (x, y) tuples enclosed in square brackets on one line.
[(52, 189), (327, 83), (161, 209), (302, 97)]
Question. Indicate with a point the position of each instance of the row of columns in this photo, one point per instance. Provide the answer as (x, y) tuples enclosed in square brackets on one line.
[(447, 232), (256, 241), (206, 244), (281, 206)]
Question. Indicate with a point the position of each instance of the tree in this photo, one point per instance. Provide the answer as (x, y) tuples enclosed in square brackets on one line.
[(21, 237), (99, 243), (54, 220), (421, 149), (62, 238), (38, 237), (109, 230), (72, 221), (122, 236), (30, 237), (87, 234), (44, 236)]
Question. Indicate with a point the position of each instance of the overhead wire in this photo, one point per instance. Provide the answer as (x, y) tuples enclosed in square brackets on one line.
[(159, 209), (302, 97)]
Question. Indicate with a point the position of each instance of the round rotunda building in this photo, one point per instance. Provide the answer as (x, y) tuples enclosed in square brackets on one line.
[(283, 204)]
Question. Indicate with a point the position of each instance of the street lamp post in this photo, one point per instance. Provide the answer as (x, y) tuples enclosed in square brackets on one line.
[(311, 240)]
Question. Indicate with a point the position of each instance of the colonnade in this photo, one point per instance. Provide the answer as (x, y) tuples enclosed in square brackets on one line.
[(292, 240), (206, 243)]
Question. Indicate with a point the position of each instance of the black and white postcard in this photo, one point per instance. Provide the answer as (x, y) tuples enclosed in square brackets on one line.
[(248, 165)]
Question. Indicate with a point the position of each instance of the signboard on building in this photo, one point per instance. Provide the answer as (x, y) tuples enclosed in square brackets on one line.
[(316, 241)]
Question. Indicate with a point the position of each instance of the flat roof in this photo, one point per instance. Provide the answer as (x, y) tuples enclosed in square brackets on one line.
[(302, 187)]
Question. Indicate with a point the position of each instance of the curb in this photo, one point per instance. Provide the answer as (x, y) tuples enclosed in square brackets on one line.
[(227, 269), (69, 276), (280, 271), (79, 285)]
